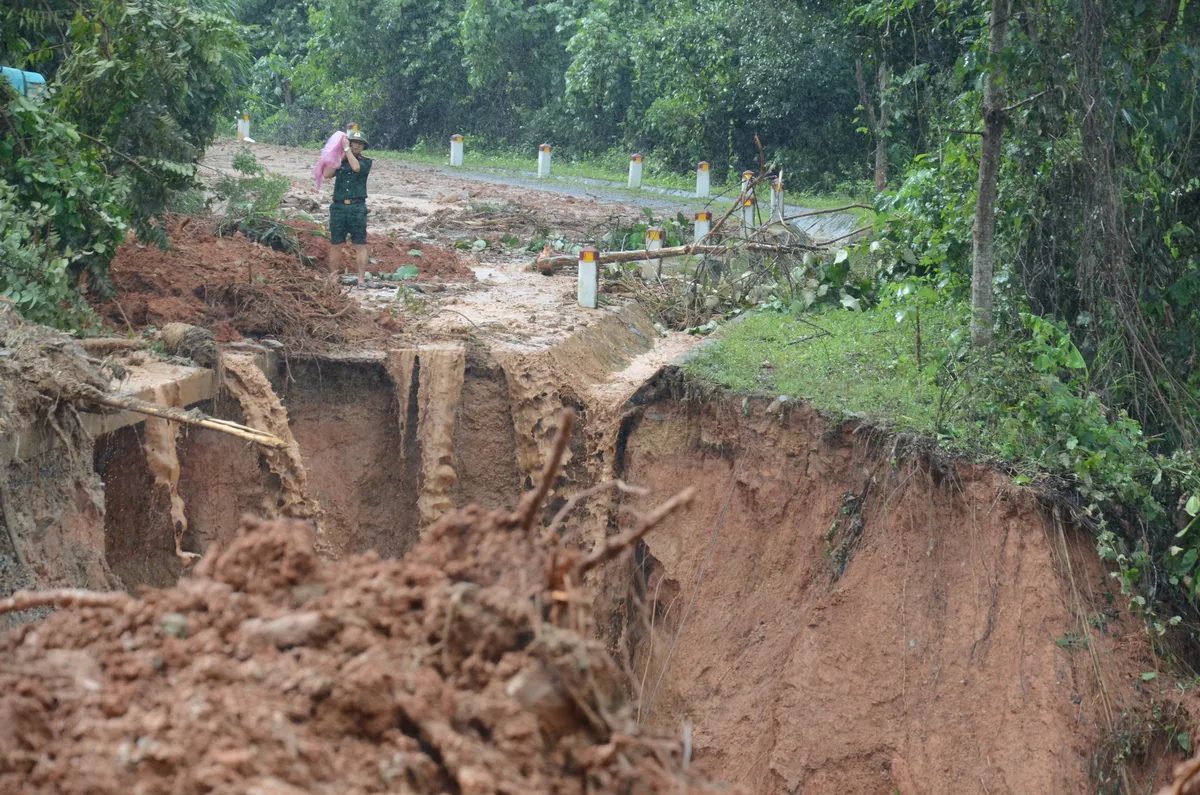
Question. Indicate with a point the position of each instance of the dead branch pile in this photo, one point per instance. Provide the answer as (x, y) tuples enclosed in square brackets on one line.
[(303, 313), (39, 367), (464, 667)]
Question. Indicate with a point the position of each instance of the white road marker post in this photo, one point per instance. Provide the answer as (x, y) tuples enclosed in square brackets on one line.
[(543, 161), (747, 177), (777, 198), (589, 277), (748, 225), (243, 129), (703, 173), (703, 225), (456, 150), (652, 268), (635, 170)]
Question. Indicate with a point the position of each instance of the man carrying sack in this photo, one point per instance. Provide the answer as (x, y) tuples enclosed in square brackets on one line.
[(348, 213)]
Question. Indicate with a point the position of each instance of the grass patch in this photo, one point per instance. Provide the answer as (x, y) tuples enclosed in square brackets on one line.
[(865, 365)]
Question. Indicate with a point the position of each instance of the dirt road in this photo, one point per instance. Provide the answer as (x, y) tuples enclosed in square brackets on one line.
[(493, 224)]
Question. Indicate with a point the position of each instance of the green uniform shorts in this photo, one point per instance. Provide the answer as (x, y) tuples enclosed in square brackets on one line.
[(348, 219)]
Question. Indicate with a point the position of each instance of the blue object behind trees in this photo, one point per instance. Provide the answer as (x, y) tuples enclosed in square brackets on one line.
[(30, 84)]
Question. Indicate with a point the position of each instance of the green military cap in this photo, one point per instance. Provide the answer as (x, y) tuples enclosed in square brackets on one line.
[(355, 135)]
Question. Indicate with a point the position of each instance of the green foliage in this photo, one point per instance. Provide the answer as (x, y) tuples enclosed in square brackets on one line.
[(588, 77), (862, 363), (252, 204), (144, 80), (61, 216)]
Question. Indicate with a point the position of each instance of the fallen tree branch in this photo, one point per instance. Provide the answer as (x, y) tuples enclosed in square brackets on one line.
[(811, 213), (103, 344), (615, 545), (178, 415), (858, 231), (548, 264), (63, 597)]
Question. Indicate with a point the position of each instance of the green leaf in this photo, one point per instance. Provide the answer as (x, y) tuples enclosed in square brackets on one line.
[(414, 252), (1193, 505), (407, 272), (1149, 676), (1185, 742), (1075, 359)]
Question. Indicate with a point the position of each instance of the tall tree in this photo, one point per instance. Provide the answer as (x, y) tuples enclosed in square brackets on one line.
[(983, 233), (877, 121)]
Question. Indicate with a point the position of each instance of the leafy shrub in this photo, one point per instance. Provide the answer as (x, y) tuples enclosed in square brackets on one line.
[(61, 216), (252, 204)]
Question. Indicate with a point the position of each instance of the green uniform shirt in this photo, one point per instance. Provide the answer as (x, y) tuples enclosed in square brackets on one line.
[(349, 185)]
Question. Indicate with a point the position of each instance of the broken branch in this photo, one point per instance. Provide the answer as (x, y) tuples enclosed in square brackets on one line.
[(530, 502), (575, 499), (104, 344), (178, 415), (63, 597), (613, 546), (548, 264), (811, 213)]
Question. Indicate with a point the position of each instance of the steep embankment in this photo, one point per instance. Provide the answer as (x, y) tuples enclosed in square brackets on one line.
[(839, 613)]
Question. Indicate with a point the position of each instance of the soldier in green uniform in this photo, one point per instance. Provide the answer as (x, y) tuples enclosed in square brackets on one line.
[(348, 213)]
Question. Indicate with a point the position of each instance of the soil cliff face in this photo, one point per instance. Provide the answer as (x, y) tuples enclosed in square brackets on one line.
[(836, 614)]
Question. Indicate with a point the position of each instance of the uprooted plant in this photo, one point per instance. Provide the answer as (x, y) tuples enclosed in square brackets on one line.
[(252, 205)]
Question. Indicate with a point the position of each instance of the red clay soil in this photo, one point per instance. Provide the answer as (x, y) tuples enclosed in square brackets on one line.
[(273, 671), (836, 616), (235, 286), (435, 263)]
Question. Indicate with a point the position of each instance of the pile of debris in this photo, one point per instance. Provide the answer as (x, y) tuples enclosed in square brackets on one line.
[(232, 286), (468, 666)]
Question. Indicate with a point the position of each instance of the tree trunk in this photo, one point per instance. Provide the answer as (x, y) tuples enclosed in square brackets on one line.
[(881, 159), (876, 124), (983, 234)]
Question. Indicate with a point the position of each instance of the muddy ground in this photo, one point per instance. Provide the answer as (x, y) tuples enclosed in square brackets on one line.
[(508, 305), (839, 610)]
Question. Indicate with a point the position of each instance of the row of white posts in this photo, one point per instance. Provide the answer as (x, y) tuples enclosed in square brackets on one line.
[(589, 258), (636, 162)]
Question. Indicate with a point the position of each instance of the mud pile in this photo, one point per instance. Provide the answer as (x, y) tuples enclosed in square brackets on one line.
[(389, 253), (465, 667), (233, 287), (37, 365)]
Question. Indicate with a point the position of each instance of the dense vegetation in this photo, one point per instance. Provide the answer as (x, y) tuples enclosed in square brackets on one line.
[(137, 87), (1045, 150), (687, 81)]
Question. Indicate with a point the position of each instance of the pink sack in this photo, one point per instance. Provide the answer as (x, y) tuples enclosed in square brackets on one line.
[(331, 157)]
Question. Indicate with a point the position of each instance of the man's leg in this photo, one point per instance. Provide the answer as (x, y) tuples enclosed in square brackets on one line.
[(360, 258), (335, 261), (358, 236)]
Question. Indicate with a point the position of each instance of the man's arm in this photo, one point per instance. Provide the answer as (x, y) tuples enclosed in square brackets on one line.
[(352, 160)]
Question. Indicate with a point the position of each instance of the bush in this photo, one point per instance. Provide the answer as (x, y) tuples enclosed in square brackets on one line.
[(252, 204), (61, 216)]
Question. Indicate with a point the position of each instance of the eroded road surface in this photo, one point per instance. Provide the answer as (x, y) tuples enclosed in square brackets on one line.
[(492, 224)]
